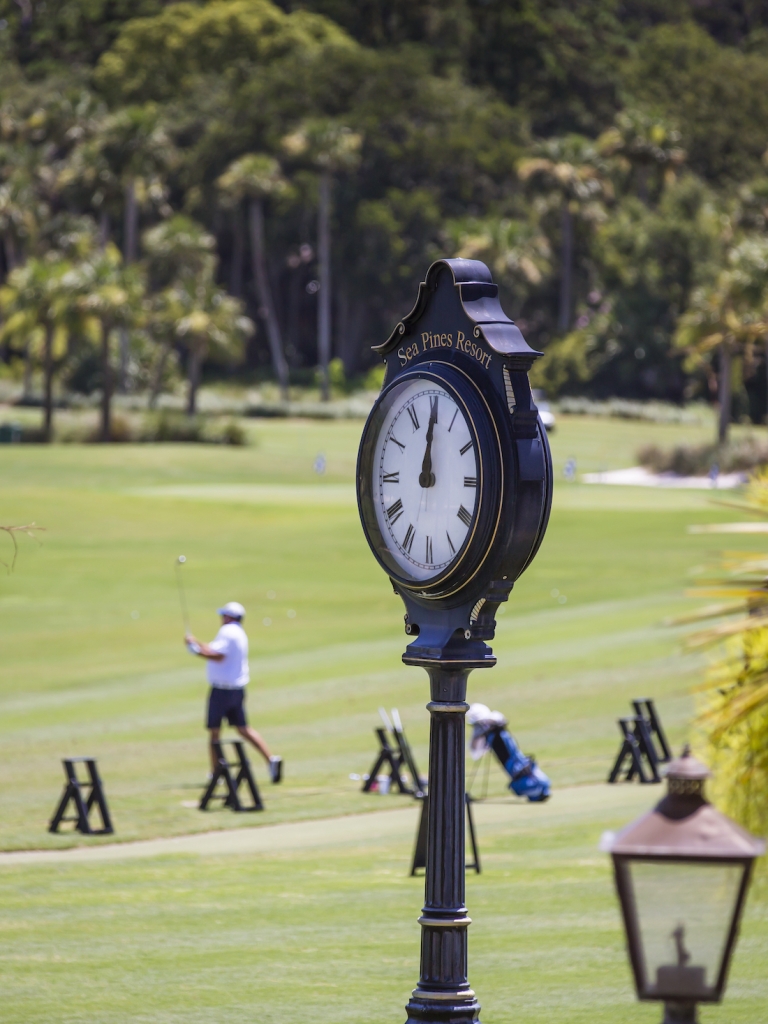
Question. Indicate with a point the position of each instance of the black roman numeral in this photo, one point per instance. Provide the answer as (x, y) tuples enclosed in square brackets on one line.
[(465, 449), (429, 557), (464, 516), (470, 481), (450, 543), (401, 446), (410, 533), (392, 478), (414, 418), (394, 512), (453, 420)]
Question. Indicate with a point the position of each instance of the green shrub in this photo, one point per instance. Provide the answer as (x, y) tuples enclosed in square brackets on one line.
[(336, 375), (171, 426), (697, 460), (234, 433), (624, 409), (374, 379), (16, 433), (178, 428), (159, 428), (121, 431)]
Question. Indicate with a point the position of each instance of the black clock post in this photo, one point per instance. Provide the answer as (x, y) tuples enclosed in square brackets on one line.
[(443, 992), (454, 484)]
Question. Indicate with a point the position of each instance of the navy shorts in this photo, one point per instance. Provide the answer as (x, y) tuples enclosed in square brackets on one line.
[(229, 704)]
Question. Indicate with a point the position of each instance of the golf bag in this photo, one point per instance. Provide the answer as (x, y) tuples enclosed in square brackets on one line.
[(490, 732)]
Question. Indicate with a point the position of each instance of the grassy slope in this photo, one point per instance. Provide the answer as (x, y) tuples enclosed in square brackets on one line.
[(173, 938), (330, 934), (90, 627)]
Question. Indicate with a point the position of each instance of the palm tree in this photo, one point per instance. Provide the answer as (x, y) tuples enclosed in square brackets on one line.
[(567, 170), (121, 163), (331, 148), (111, 294), (164, 309), (256, 177), (179, 253), (20, 213), (727, 318), (642, 144), (209, 319), (23, 212), (40, 303), (514, 250), (17, 224)]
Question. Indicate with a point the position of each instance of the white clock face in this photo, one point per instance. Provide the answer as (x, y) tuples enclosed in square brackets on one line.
[(425, 479)]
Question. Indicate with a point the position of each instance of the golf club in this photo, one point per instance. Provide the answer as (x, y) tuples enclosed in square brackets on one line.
[(182, 598)]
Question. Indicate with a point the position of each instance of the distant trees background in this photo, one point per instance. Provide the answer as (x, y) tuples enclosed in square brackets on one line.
[(309, 160)]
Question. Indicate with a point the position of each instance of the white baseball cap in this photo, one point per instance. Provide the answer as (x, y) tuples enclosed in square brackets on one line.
[(232, 608)]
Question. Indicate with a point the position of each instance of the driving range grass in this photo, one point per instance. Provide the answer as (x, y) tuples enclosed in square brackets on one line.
[(91, 628), (328, 933), (92, 663)]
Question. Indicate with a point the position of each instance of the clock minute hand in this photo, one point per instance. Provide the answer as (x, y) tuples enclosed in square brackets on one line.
[(427, 477)]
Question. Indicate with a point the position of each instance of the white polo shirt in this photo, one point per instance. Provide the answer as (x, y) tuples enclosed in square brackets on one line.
[(232, 673)]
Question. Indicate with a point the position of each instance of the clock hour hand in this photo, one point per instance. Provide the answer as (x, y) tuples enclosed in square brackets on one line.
[(427, 477)]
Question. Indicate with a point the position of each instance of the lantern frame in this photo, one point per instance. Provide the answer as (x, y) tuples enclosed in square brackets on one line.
[(683, 829), (647, 991)]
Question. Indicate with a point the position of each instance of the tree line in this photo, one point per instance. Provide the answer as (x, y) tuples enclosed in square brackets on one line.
[(186, 186)]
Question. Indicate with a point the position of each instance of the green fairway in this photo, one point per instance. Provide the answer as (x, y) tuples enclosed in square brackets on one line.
[(93, 664), (322, 927), (91, 629)]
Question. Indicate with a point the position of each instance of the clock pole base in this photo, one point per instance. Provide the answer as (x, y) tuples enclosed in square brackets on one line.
[(422, 1009)]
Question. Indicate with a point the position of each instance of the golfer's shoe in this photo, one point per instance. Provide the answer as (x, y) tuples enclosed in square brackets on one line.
[(276, 768)]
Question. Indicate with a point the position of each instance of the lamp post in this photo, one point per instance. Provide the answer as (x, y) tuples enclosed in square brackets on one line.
[(454, 487), (682, 872)]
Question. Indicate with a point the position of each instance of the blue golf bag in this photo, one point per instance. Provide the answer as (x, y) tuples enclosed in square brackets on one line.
[(527, 779)]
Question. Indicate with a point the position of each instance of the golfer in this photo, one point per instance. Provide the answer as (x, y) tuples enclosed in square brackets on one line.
[(228, 674)]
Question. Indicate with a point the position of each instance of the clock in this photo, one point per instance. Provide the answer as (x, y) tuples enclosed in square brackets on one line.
[(454, 474), (428, 477), (432, 481)]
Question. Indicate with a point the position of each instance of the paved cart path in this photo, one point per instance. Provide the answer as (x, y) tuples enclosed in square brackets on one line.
[(391, 823)]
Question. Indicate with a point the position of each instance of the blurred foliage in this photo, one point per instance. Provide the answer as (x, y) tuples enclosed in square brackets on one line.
[(606, 159), (733, 712)]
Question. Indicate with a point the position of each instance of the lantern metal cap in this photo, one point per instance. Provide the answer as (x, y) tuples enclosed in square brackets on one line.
[(684, 824)]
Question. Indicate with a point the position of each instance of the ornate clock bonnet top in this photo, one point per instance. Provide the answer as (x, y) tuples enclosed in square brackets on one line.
[(480, 301)]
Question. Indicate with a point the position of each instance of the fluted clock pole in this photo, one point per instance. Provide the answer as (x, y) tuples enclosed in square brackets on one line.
[(443, 994)]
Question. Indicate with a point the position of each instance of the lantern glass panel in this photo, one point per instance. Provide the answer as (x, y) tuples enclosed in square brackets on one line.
[(684, 913)]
